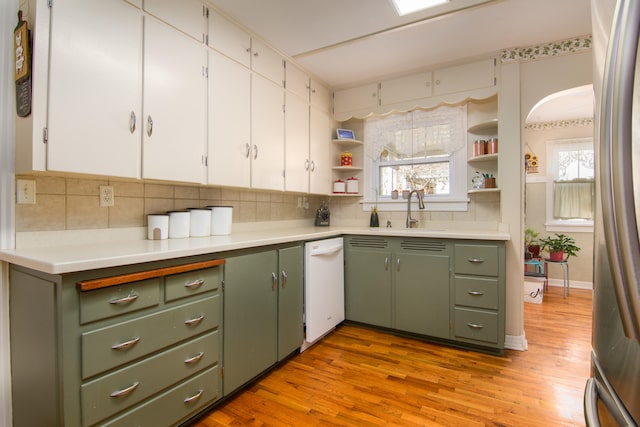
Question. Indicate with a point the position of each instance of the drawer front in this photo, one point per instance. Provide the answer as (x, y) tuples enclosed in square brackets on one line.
[(476, 325), (479, 260), (106, 348), (116, 300), (174, 405), (124, 388), (192, 283), (481, 292)]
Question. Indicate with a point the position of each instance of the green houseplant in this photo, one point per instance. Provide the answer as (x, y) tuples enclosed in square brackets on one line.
[(531, 245), (559, 246)]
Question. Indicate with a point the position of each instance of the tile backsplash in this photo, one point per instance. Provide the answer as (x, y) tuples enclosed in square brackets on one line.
[(71, 203)]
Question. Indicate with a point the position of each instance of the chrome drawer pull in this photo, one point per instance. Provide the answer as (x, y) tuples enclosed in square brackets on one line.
[(274, 281), (195, 320), (194, 359), (194, 284), (125, 300), (126, 345), (193, 398), (125, 391), (284, 279), (475, 260), (475, 325), (475, 293)]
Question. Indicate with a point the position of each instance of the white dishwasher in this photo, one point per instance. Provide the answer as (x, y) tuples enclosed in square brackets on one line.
[(323, 287)]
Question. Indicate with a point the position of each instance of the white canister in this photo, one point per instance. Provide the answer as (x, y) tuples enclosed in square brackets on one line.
[(339, 186), (157, 226), (199, 222), (352, 185), (179, 224), (221, 220)]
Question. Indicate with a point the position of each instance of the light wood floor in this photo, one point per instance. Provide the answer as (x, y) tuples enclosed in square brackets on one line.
[(360, 377)]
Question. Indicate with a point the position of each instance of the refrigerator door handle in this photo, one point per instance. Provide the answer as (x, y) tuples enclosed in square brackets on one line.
[(618, 207)]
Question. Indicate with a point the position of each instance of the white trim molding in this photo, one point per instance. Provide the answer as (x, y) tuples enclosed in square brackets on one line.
[(516, 342)]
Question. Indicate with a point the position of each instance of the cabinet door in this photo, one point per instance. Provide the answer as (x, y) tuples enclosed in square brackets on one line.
[(422, 294), (464, 77), (407, 88), (368, 286), (189, 17), (297, 163), (290, 298), (95, 89), (297, 81), (250, 317), (267, 62), (320, 133), (320, 96), (356, 98), (267, 134), (229, 39), (229, 122), (174, 105)]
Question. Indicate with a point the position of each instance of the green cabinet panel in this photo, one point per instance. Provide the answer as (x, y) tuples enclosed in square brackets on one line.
[(192, 283), (477, 292), (117, 300), (290, 300), (478, 259), (477, 325), (368, 286), (421, 293), (175, 405)]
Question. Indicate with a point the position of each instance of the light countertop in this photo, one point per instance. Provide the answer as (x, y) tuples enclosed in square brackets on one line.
[(80, 256)]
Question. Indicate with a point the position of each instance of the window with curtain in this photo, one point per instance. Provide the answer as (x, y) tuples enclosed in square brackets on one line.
[(571, 187), (422, 150)]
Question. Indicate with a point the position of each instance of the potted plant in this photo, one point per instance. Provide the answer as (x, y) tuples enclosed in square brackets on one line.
[(560, 247), (532, 247)]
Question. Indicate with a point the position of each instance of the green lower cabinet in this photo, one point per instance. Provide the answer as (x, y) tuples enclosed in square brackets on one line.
[(368, 286), (263, 295), (421, 294), (398, 283)]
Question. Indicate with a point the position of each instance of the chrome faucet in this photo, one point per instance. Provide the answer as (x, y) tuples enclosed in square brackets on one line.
[(411, 221)]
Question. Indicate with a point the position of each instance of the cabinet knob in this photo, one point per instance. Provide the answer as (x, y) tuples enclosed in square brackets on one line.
[(313, 166), (306, 165), (248, 151), (149, 126), (255, 152), (193, 398), (124, 300), (194, 359), (284, 279), (125, 391), (194, 284), (274, 281), (195, 320), (126, 345)]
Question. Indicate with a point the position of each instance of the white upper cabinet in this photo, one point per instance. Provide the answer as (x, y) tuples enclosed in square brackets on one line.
[(465, 77), (94, 118), (229, 39), (357, 98), (320, 96), (320, 153), (229, 122), (297, 81), (406, 88), (297, 161), (267, 134), (174, 105), (189, 17), (267, 62)]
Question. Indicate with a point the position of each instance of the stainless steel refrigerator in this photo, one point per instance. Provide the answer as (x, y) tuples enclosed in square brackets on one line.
[(612, 394)]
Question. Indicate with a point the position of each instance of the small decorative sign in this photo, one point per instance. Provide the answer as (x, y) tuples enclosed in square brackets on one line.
[(22, 56)]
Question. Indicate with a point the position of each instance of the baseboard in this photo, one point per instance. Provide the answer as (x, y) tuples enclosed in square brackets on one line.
[(572, 284), (516, 342)]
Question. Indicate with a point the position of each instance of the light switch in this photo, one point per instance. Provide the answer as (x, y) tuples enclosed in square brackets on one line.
[(26, 191)]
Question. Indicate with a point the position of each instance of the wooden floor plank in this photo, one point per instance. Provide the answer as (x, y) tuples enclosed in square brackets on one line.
[(362, 377)]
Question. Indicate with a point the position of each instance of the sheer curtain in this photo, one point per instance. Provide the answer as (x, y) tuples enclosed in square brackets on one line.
[(574, 199)]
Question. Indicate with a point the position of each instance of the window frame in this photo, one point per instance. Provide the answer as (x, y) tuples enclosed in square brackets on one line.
[(563, 225), (456, 200)]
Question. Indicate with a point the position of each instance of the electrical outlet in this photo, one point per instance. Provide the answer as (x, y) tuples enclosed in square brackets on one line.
[(26, 191), (106, 195)]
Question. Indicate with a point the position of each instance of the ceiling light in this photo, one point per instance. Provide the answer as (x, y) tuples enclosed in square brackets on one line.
[(405, 7)]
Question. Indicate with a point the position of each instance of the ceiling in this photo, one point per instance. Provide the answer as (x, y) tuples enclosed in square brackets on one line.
[(346, 42)]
